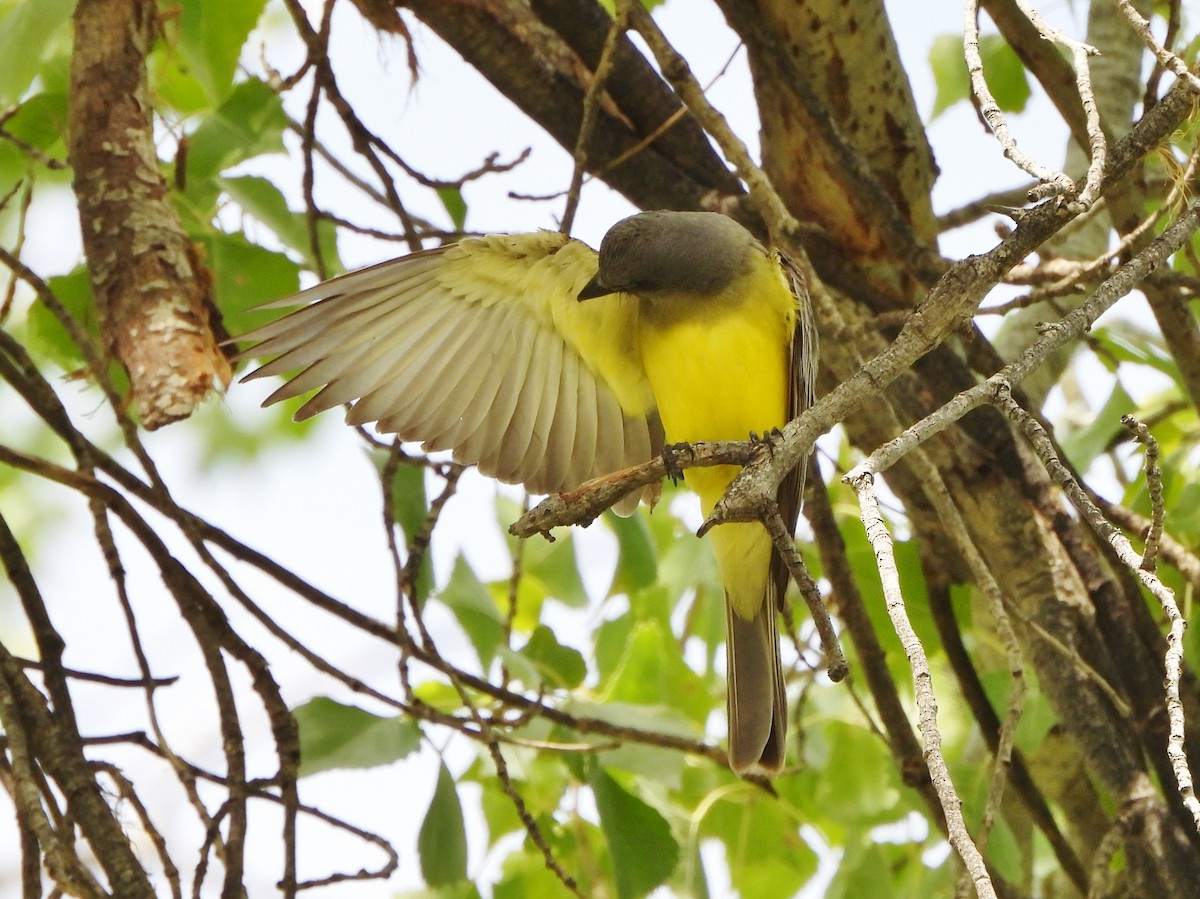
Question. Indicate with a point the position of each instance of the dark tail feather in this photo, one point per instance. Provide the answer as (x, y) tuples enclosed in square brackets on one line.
[(756, 703)]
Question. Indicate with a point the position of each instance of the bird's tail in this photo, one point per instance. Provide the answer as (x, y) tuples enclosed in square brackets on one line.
[(757, 705)]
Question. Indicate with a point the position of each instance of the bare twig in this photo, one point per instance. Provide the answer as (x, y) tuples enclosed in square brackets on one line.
[(591, 102), (931, 738), (991, 112), (585, 503), (1154, 487), (936, 491), (675, 68), (785, 545), (1171, 550), (1166, 58), (1053, 182)]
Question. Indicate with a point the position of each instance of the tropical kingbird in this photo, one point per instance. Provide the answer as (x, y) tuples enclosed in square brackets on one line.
[(691, 329)]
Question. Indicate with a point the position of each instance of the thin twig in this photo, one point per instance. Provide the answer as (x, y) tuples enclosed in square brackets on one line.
[(931, 738), (1054, 182), (1053, 336), (991, 112), (1174, 552), (1154, 487), (1166, 58), (591, 105), (785, 545), (935, 490), (676, 70)]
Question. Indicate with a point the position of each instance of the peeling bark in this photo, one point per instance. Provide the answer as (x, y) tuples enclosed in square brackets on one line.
[(151, 291)]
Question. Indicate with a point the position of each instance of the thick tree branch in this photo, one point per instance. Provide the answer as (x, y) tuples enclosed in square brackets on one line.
[(151, 290), (530, 64)]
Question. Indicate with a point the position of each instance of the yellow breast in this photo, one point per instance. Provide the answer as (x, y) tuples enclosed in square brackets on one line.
[(717, 373)]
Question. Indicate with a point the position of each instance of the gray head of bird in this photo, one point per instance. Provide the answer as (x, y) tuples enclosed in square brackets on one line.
[(688, 253)]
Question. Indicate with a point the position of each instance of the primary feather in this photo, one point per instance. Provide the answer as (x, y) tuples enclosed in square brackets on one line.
[(479, 348)]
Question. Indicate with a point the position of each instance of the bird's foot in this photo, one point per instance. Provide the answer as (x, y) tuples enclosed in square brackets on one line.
[(671, 454), (771, 438)]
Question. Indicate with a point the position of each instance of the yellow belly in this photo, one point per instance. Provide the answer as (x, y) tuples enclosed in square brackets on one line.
[(719, 377)]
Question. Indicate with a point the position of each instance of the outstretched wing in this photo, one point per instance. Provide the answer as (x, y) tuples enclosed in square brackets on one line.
[(480, 348)]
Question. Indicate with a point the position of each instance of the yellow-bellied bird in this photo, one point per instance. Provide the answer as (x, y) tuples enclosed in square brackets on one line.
[(691, 328)]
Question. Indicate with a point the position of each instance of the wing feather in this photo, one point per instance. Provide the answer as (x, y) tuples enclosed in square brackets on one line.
[(480, 348), (500, 439), (581, 460), (560, 429), (610, 432), (467, 390), (415, 386), (548, 356), (339, 321), (382, 364)]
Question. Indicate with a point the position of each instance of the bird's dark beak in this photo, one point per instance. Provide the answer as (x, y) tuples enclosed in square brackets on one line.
[(593, 289)]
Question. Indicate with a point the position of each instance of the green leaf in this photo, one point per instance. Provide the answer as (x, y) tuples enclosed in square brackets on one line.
[(525, 876), (442, 841), (1127, 342), (1004, 852), (462, 889), (608, 645), (265, 202), (555, 568), (864, 871), (410, 504), (249, 123), (1002, 69), (246, 276), (1084, 445), (686, 562), (637, 562), (766, 854), (47, 336), (1004, 72), (644, 852), (456, 206), (475, 610), (660, 764), (25, 40), (173, 84), (41, 121), (559, 665), (1184, 515), (950, 75), (856, 779), (498, 810), (652, 672), (333, 735), (211, 36)]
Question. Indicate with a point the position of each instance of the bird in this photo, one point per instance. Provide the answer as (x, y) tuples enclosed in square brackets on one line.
[(546, 363)]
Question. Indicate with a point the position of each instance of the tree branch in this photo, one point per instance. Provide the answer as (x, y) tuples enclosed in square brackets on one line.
[(150, 288)]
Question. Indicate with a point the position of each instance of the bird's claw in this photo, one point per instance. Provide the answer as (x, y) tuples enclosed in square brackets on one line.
[(671, 454), (770, 438)]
